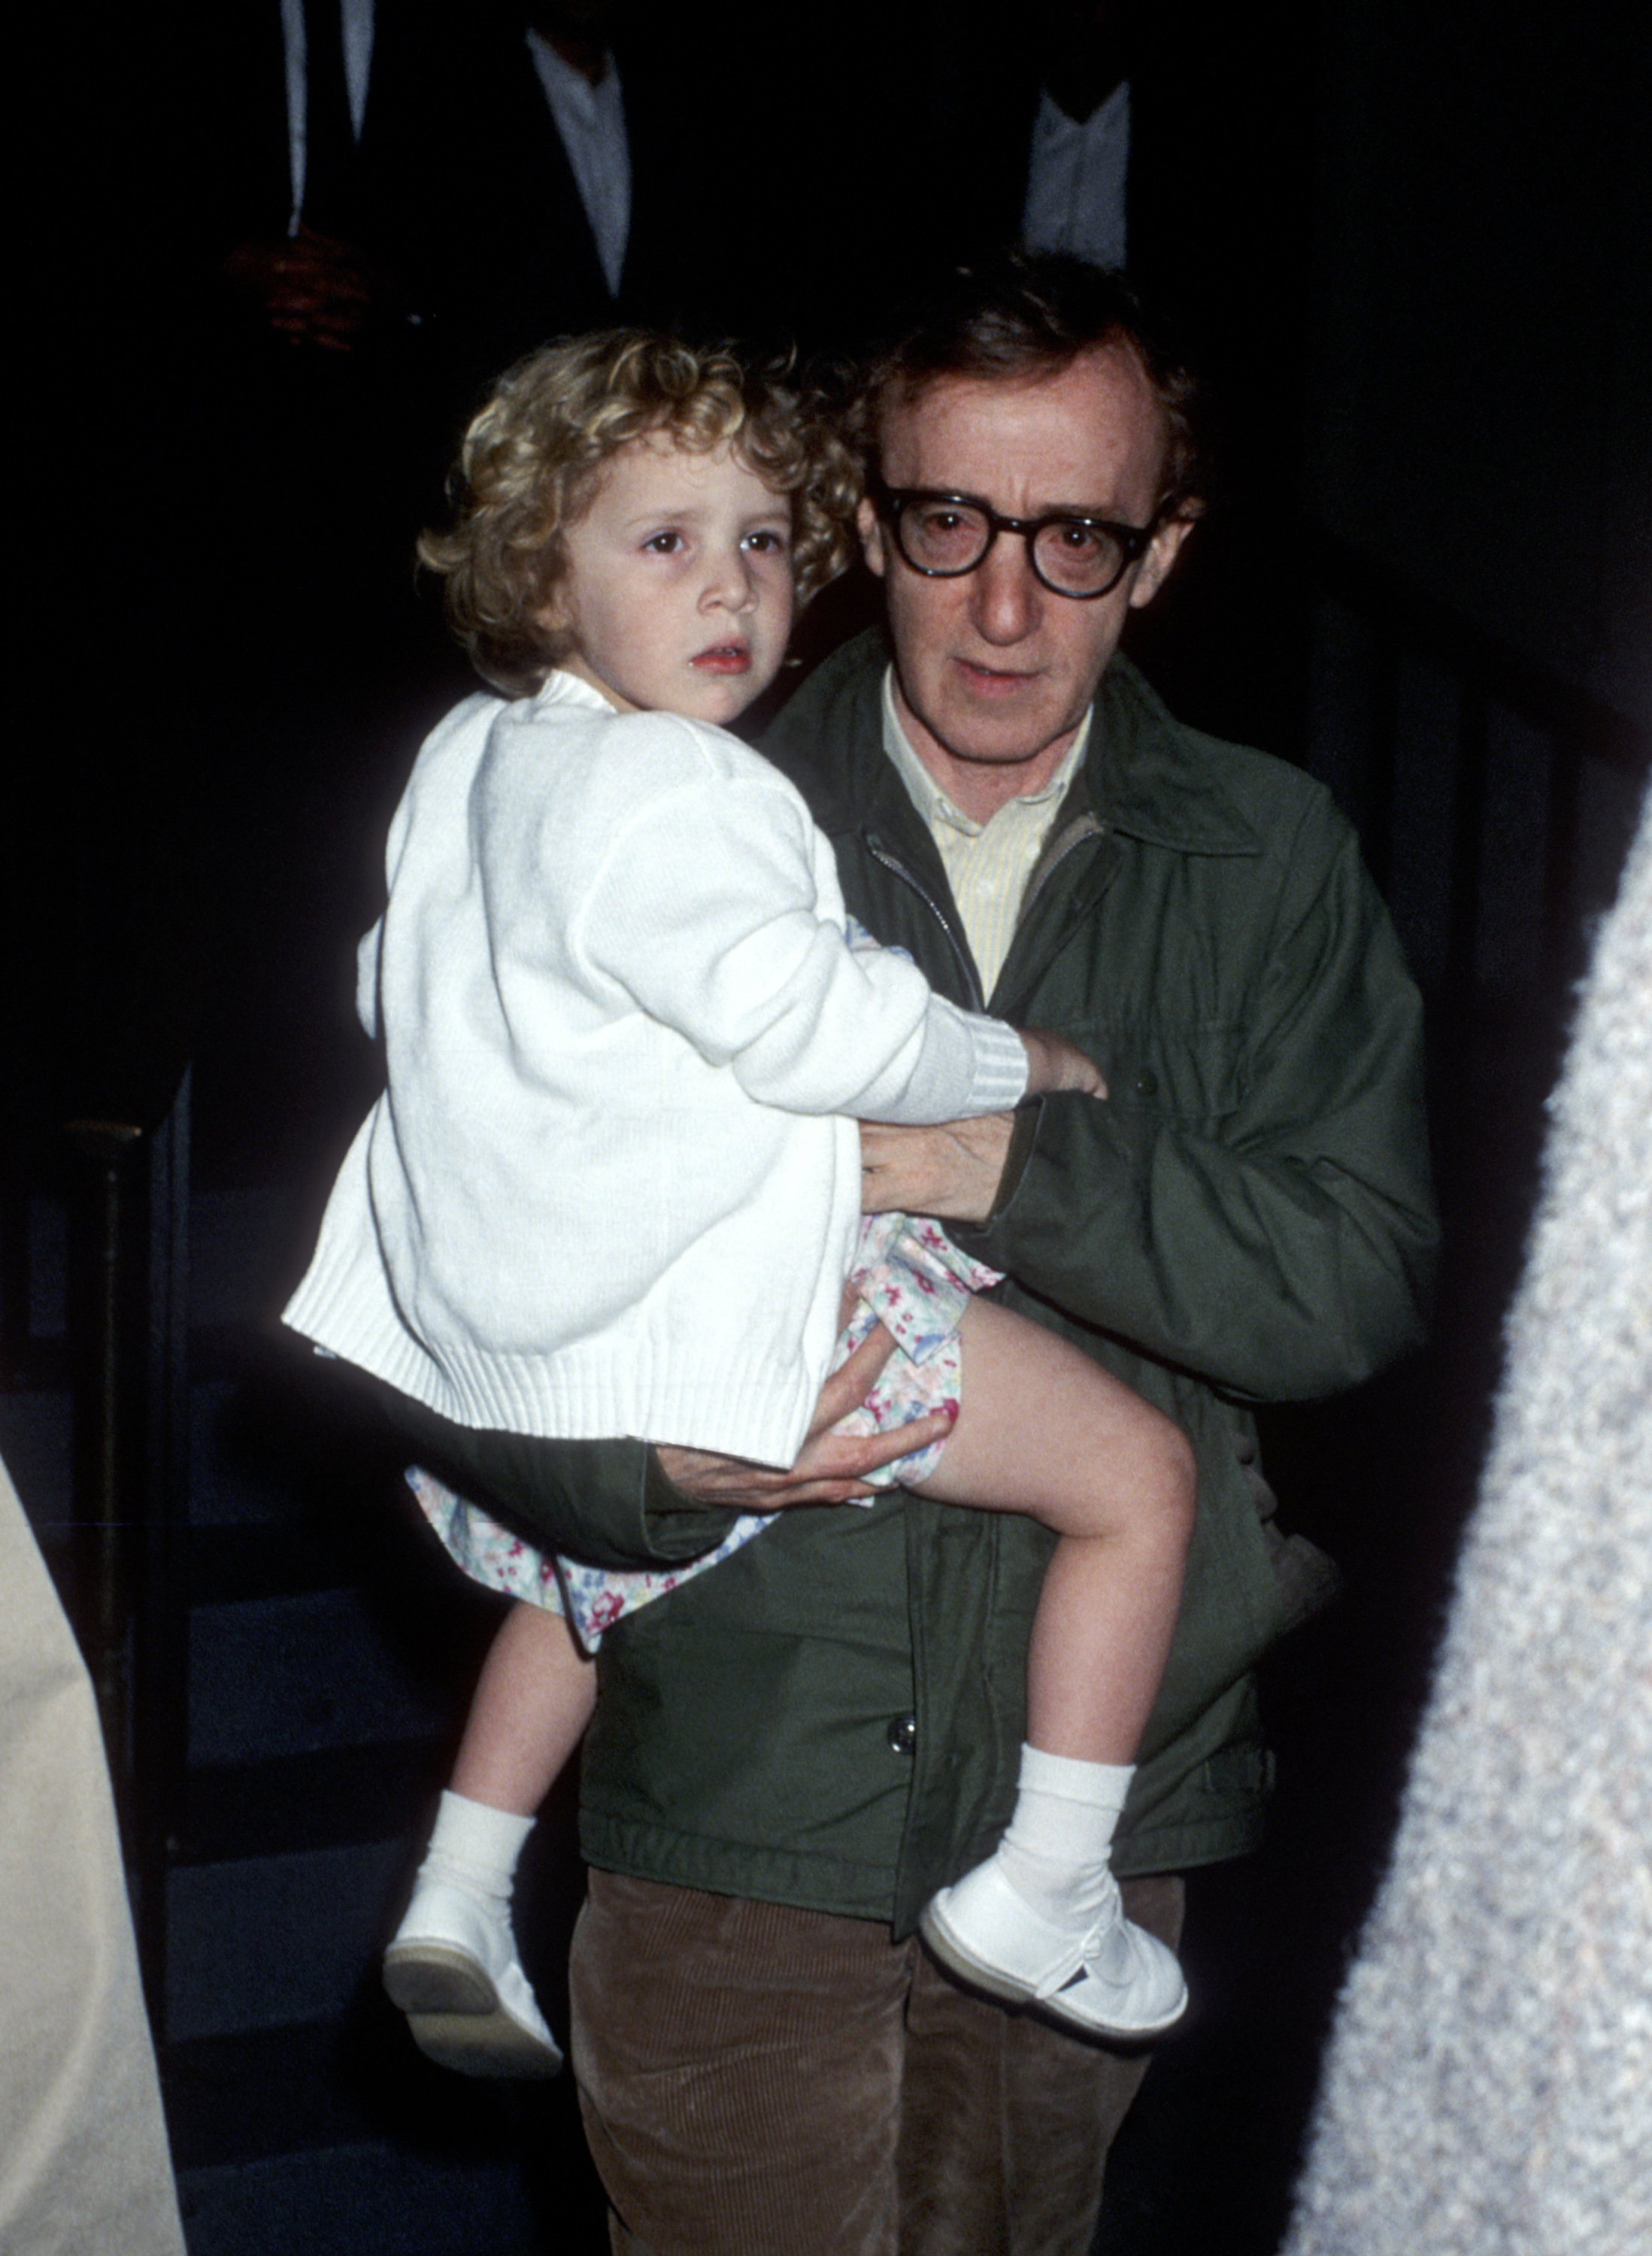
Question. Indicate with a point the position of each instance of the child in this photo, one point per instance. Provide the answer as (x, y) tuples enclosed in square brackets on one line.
[(612, 1187)]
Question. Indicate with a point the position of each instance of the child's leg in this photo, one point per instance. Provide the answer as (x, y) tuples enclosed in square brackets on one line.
[(532, 1702), (453, 1966), (1044, 1431)]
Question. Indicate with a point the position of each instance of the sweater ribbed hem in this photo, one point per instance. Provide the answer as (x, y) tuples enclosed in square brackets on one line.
[(756, 1407)]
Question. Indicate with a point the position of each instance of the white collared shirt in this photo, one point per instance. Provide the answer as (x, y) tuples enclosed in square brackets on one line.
[(356, 24), (592, 121), (1075, 181), (987, 863)]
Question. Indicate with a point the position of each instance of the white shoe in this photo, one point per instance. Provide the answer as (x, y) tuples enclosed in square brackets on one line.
[(452, 1969), (1114, 1980)]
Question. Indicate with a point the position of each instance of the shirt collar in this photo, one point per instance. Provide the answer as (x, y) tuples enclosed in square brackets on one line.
[(931, 800)]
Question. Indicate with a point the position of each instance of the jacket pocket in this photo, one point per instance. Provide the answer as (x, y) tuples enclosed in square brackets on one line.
[(1192, 1074)]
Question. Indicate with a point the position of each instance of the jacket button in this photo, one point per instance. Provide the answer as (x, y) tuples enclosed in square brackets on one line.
[(903, 1734), (1147, 1083)]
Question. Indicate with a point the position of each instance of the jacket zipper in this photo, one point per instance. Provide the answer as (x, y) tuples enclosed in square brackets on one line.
[(1085, 825), (965, 961)]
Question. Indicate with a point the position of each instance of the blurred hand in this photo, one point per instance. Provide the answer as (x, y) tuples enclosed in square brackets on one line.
[(311, 288)]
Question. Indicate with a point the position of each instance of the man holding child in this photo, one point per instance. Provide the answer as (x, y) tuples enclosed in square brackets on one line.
[(791, 1756)]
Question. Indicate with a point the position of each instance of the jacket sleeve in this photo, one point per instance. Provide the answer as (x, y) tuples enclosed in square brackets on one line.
[(1283, 1249), (606, 1504), (707, 912)]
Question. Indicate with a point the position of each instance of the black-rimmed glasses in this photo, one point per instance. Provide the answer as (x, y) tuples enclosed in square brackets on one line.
[(944, 535)]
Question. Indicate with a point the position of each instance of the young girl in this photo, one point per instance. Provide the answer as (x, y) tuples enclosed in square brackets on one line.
[(612, 1187)]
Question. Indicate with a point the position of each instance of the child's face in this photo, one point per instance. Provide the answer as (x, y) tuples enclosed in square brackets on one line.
[(678, 589)]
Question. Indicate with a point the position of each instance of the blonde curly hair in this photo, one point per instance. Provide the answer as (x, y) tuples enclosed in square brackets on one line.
[(530, 460)]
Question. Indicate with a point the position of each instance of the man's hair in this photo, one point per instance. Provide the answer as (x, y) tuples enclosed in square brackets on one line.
[(530, 460), (1022, 316)]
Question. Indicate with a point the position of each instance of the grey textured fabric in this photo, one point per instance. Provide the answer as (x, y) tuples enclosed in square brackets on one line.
[(1489, 2085)]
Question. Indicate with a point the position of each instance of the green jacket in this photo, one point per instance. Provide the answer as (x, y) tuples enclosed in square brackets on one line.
[(832, 1718)]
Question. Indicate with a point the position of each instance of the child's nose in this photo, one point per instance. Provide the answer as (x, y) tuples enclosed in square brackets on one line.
[(731, 582)]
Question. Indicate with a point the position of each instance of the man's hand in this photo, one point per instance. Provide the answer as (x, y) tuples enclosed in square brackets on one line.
[(311, 289), (829, 1466), (952, 1173)]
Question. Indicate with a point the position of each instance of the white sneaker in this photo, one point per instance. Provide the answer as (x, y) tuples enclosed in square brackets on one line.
[(1114, 1980), (452, 1969)]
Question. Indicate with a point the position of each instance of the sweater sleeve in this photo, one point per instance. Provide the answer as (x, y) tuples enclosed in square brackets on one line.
[(708, 911)]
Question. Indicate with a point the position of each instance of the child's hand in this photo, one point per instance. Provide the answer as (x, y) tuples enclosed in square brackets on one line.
[(1056, 1063)]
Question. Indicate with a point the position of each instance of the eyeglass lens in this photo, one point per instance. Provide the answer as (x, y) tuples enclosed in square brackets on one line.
[(1069, 554)]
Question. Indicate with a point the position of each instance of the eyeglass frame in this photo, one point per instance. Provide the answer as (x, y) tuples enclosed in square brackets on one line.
[(1133, 539)]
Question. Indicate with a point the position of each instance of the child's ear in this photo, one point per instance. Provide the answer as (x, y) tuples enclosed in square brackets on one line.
[(554, 614)]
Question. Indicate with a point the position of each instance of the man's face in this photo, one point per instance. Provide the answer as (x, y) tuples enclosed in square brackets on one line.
[(995, 669)]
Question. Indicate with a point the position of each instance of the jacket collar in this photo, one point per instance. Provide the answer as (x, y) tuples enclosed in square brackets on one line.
[(1151, 778)]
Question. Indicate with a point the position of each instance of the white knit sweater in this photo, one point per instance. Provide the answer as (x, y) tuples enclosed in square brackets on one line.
[(613, 1184)]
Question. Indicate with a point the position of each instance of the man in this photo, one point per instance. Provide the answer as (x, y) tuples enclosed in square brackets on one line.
[(792, 1753)]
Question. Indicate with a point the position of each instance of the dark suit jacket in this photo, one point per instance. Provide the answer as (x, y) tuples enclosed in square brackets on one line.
[(493, 239)]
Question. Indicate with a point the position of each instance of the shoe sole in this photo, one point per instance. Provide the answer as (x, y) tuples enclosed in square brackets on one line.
[(455, 2017), (955, 1956)]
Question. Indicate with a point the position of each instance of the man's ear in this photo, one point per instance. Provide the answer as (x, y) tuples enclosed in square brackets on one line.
[(1154, 568), (868, 525)]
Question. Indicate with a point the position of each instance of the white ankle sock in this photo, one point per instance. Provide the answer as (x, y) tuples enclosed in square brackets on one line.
[(476, 1847), (1054, 1852)]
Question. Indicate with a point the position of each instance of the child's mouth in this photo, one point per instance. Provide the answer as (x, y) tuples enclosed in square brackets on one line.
[(724, 658)]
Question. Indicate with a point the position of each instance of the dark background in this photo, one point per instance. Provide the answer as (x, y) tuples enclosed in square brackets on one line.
[(1410, 243)]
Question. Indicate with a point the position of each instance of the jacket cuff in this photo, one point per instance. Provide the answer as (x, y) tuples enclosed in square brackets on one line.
[(605, 1503), (973, 1236), (676, 1527)]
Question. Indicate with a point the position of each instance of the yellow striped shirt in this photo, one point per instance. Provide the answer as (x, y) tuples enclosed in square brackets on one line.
[(987, 863)]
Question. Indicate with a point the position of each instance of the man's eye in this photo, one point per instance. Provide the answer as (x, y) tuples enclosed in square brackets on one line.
[(1082, 540)]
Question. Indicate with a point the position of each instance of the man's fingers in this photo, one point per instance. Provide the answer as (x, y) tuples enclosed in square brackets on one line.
[(830, 1469), (856, 1455), (850, 1384), (832, 1466)]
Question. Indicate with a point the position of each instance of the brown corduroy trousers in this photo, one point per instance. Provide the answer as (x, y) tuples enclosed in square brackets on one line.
[(760, 2081)]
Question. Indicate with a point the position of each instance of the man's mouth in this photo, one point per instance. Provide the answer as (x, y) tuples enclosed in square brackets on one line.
[(991, 680), (724, 658)]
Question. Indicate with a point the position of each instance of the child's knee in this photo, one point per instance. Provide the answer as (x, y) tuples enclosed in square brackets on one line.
[(1177, 1482)]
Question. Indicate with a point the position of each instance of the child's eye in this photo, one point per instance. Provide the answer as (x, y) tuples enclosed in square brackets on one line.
[(767, 544), (663, 544)]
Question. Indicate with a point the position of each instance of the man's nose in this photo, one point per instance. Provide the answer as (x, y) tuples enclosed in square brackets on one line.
[(1007, 599)]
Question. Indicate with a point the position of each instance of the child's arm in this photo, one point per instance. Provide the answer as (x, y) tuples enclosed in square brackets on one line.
[(1054, 1064), (715, 911)]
